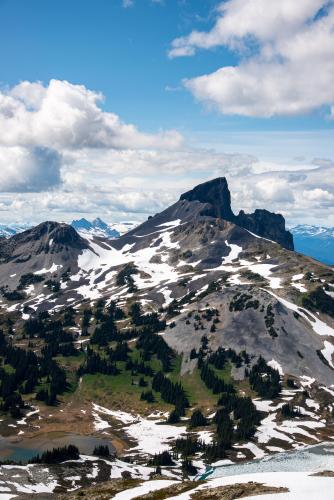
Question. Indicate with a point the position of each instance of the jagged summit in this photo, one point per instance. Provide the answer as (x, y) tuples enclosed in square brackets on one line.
[(97, 227), (216, 195)]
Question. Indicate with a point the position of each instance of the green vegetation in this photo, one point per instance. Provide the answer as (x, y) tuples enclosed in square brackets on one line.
[(57, 455), (242, 301), (265, 380), (269, 320), (29, 279), (318, 300), (124, 277), (126, 361)]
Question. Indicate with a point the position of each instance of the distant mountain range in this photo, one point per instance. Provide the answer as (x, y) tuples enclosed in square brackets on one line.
[(97, 227), (315, 241), (8, 230)]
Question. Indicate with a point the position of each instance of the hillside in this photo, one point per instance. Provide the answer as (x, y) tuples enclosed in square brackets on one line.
[(197, 337)]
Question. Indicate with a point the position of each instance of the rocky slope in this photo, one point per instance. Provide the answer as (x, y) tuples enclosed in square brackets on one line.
[(217, 280), (216, 196), (189, 254)]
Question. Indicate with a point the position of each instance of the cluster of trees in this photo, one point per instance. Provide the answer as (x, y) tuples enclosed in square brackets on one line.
[(172, 393), (139, 367), (12, 295), (289, 411), (53, 285), (319, 300), (27, 370), (57, 455), (124, 277), (101, 451), (264, 380), (150, 321), (220, 357), (163, 459), (29, 279), (188, 446), (151, 344), (95, 363), (213, 381), (174, 308), (58, 341), (197, 419), (213, 286), (244, 412), (269, 320), (243, 301), (56, 377), (147, 396)]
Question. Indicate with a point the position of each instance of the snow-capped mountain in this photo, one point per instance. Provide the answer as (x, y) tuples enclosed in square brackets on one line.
[(99, 228), (8, 230), (194, 252), (212, 280), (315, 241)]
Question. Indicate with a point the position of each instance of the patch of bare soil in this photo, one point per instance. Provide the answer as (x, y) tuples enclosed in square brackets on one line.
[(169, 492), (104, 491), (234, 491), (324, 473)]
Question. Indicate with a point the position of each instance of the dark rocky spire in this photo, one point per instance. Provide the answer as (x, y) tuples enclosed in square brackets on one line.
[(217, 194)]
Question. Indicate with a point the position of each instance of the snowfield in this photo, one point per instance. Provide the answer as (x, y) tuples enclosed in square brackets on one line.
[(152, 435), (301, 485)]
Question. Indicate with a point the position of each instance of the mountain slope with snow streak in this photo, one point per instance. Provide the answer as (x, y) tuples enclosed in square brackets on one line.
[(183, 257)]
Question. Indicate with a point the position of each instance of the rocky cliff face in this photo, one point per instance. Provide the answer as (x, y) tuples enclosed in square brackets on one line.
[(215, 194), (268, 225)]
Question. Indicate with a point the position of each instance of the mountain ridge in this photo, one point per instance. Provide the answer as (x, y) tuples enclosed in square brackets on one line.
[(189, 330), (174, 258), (262, 222)]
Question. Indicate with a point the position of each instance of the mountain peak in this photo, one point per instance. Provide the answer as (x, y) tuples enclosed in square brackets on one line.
[(60, 234), (217, 194), (95, 228)]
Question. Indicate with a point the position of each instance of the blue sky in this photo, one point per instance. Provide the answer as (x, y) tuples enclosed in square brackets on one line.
[(122, 52), (138, 57)]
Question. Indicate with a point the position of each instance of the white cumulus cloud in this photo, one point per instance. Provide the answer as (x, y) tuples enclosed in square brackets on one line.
[(287, 63), (64, 115), (29, 169)]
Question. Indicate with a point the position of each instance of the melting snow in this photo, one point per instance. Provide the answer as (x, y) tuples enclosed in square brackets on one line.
[(52, 269), (205, 436), (318, 326), (143, 489), (257, 452), (300, 287), (276, 366), (328, 352), (301, 485), (153, 436), (297, 277)]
